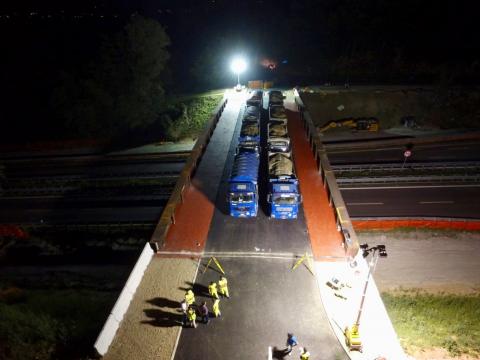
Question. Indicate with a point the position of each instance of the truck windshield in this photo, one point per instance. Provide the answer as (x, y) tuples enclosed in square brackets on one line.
[(285, 199), (235, 197)]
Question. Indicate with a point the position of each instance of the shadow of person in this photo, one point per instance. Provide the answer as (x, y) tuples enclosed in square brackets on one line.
[(198, 289), (279, 353), (162, 318), (164, 302)]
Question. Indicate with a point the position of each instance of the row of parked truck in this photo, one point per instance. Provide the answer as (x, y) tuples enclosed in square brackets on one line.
[(283, 197)]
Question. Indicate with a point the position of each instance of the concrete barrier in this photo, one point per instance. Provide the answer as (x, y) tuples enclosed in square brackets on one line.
[(110, 327), (344, 224)]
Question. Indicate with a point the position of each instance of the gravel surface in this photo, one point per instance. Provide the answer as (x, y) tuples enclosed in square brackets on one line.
[(151, 325), (437, 261)]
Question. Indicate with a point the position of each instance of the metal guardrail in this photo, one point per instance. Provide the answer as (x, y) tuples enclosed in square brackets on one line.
[(183, 183), (411, 166), (344, 224), (411, 179)]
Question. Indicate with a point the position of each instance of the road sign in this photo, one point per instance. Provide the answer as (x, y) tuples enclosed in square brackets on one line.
[(406, 153)]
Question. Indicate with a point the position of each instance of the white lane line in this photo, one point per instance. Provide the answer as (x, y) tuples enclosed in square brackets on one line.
[(437, 202), (239, 254), (366, 203), (409, 187)]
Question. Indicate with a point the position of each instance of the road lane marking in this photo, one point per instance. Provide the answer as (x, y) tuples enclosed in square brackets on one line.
[(240, 254), (366, 203), (437, 202), (408, 187)]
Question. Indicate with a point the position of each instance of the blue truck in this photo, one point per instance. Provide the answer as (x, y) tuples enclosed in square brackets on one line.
[(252, 113), (283, 197), (250, 135), (243, 186)]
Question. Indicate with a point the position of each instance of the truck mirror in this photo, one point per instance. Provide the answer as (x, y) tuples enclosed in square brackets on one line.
[(269, 198), (300, 199)]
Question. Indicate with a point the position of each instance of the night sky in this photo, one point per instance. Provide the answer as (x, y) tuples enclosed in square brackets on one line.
[(289, 42)]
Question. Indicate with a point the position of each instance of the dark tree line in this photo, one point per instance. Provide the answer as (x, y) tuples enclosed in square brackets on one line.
[(411, 41), (122, 88), (83, 81)]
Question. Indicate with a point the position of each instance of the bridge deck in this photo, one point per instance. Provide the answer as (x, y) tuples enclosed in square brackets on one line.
[(268, 298)]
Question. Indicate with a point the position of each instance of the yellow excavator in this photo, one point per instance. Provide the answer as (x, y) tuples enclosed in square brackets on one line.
[(359, 124)]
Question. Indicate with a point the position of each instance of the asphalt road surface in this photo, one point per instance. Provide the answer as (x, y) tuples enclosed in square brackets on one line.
[(268, 299), (455, 151), (413, 201)]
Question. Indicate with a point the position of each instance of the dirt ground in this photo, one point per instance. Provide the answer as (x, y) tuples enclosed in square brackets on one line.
[(150, 327), (436, 262), (431, 108)]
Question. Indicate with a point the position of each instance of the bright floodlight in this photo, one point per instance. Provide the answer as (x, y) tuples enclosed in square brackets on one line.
[(238, 65)]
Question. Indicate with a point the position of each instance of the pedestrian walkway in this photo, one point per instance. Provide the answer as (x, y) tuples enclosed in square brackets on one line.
[(342, 306), (325, 239), (193, 217)]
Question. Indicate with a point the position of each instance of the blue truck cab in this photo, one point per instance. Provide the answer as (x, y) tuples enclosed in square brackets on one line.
[(243, 186), (283, 197)]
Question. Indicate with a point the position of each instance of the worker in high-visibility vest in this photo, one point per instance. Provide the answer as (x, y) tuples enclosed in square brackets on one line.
[(216, 308), (212, 290), (192, 316), (223, 285), (189, 297), (305, 355)]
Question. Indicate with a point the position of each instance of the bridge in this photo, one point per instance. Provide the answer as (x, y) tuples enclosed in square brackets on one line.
[(268, 297)]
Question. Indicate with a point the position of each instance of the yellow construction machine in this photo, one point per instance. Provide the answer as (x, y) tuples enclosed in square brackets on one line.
[(359, 124)]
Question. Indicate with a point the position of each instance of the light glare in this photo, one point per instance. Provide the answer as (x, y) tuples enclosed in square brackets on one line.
[(238, 65)]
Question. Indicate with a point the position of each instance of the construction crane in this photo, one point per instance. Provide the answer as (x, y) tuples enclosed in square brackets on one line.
[(359, 124)]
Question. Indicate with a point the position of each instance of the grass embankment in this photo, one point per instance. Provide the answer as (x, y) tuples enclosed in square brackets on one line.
[(53, 324), (57, 288), (188, 114), (425, 321)]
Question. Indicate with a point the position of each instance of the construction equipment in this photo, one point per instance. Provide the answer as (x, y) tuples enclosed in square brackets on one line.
[(352, 338), (359, 124)]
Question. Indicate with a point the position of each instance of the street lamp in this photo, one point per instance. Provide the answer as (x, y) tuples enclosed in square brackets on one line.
[(352, 334), (238, 66)]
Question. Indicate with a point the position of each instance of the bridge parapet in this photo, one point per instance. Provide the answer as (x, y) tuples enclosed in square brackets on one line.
[(344, 224)]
